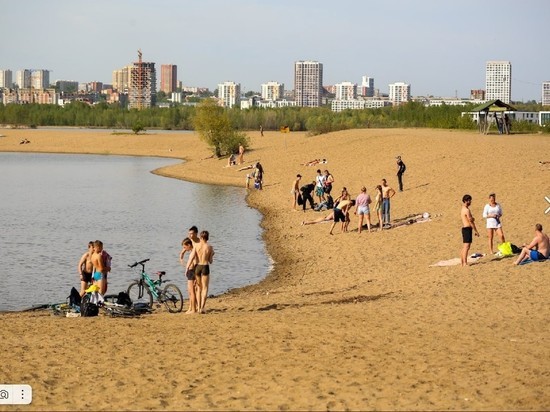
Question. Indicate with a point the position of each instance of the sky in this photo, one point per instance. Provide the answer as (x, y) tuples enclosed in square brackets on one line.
[(439, 47)]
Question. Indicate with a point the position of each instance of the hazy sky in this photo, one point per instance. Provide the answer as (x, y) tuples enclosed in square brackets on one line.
[(439, 47)]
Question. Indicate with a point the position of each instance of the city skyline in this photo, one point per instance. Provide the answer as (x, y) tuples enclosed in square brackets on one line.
[(439, 48)]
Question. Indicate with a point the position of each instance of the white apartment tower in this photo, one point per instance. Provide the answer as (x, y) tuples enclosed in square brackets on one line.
[(308, 83), (273, 91), (121, 79), (23, 78), (546, 93), (400, 93), (367, 87), (40, 79), (229, 94), (6, 80), (498, 81), (346, 91)]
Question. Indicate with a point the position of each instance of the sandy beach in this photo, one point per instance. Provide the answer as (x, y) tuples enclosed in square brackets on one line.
[(344, 322)]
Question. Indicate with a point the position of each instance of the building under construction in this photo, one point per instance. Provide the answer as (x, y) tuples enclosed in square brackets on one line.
[(143, 85)]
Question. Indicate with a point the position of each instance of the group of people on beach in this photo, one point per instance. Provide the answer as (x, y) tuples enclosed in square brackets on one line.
[(538, 249), (197, 268), (93, 267), (341, 207)]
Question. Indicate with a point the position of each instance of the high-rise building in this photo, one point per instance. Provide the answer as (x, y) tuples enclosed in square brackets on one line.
[(168, 78), (400, 93), (40, 79), (498, 81), (121, 79), (229, 94), (346, 91), (273, 91), (367, 87), (308, 83), (546, 93), (23, 78), (143, 85), (6, 79)]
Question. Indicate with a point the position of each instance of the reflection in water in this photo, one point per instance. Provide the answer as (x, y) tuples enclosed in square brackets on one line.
[(52, 205)]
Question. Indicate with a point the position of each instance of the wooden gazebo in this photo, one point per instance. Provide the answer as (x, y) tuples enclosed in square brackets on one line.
[(493, 113)]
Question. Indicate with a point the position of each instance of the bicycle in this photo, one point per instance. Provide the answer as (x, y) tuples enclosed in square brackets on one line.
[(143, 290)]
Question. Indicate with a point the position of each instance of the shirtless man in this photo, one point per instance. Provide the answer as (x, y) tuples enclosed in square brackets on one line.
[(538, 249), (341, 214), (187, 246), (468, 225), (85, 268), (101, 262), (241, 154), (204, 254), (295, 191), (387, 194)]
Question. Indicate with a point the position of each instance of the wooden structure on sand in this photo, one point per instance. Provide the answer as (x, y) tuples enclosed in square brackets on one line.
[(494, 113)]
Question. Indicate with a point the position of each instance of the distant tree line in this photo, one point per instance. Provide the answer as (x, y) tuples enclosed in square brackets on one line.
[(313, 120)]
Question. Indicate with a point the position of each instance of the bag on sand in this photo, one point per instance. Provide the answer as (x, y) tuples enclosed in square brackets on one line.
[(124, 299), (505, 249), (87, 308), (74, 297), (300, 200)]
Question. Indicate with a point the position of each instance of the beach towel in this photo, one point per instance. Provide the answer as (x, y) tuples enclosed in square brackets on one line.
[(456, 261)]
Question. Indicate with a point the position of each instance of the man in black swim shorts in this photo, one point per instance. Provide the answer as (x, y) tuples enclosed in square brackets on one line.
[(468, 226)]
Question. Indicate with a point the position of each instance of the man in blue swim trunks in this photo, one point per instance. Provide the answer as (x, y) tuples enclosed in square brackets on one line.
[(538, 249)]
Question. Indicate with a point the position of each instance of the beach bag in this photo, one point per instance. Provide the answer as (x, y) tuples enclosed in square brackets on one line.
[(300, 200), (505, 249), (515, 249), (74, 297), (124, 299), (87, 308)]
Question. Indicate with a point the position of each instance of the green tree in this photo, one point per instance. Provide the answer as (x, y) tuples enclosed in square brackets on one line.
[(136, 128), (213, 124)]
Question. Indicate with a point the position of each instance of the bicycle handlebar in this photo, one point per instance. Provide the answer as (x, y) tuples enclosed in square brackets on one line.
[(138, 263)]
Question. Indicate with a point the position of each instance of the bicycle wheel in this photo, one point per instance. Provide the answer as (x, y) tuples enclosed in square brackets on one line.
[(172, 298), (140, 294)]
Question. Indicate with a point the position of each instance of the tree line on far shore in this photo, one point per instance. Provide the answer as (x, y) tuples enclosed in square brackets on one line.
[(313, 120)]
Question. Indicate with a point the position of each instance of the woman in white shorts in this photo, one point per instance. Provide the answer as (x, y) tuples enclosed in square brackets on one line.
[(362, 208), (492, 212)]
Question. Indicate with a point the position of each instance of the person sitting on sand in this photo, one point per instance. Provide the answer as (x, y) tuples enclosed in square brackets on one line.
[(538, 249), (325, 205), (231, 161)]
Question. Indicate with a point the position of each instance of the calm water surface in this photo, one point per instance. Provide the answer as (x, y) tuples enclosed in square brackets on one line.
[(52, 205)]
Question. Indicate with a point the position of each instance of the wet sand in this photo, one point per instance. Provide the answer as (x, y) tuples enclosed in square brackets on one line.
[(349, 321)]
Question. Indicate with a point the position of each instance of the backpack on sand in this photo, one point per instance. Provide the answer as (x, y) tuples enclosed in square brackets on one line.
[(87, 308)]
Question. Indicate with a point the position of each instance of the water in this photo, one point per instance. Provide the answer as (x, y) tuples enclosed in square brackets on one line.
[(52, 205)]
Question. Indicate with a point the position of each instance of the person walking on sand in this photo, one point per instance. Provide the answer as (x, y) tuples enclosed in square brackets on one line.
[(295, 191), (85, 268), (492, 212), (204, 255), (187, 246), (538, 249), (362, 208), (387, 194), (468, 226), (101, 262), (400, 172), (241, 154)]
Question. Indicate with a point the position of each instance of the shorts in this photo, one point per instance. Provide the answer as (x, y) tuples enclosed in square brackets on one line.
[(339, 215), (202, 270), (86, 277), (467, 234), (327, 188), (319, 191), (98, 276), (363, 210), (535, 255), (190, 274)]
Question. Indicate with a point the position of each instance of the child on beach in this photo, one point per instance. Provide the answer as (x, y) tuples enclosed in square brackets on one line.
[(187, 246)]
